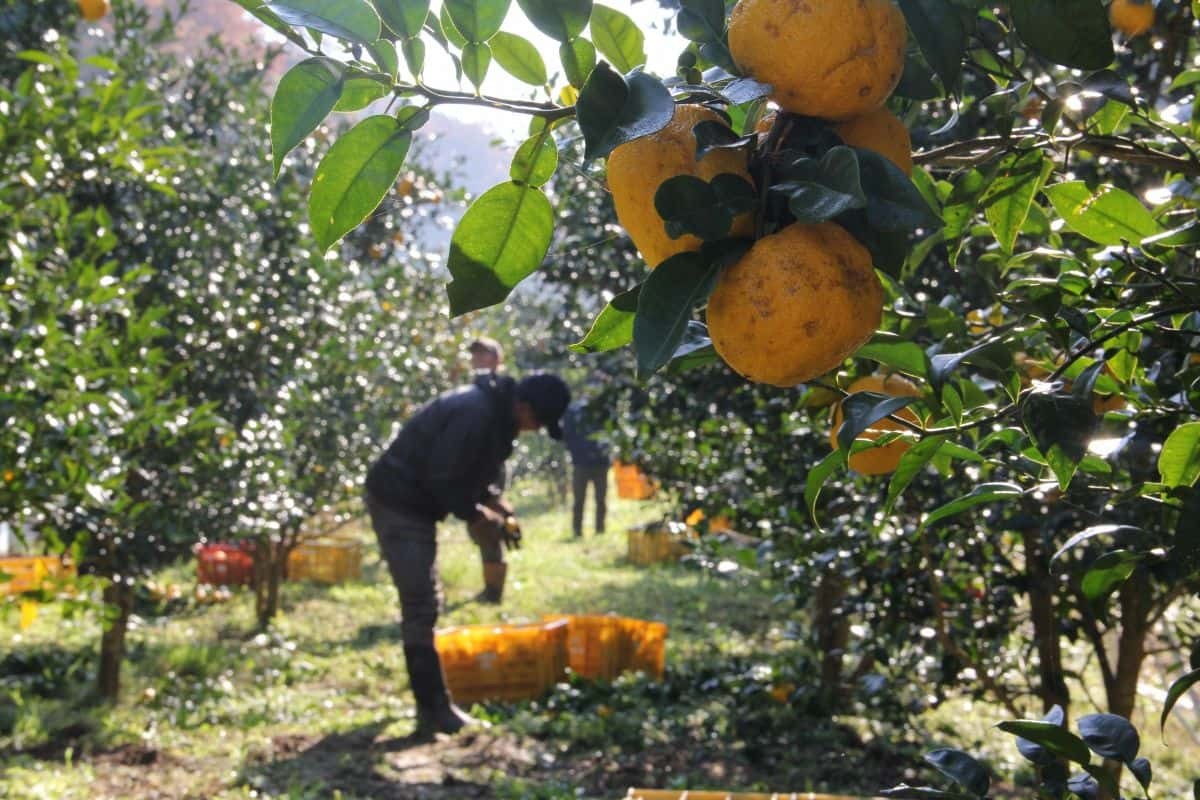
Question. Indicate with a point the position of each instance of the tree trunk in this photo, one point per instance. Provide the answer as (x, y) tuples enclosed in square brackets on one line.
[(270, 563), (1136, 603), (118, 596), (1052, 684), (832, 631)]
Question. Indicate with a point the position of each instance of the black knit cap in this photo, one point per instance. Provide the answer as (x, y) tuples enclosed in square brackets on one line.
[(548, 396)]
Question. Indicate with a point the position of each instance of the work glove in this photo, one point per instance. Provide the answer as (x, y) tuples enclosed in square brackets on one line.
[(492, 528)]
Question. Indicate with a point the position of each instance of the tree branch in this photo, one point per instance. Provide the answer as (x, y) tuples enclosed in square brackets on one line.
[(976, 151)]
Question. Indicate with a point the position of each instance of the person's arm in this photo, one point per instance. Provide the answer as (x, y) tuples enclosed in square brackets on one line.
[(453, 471)]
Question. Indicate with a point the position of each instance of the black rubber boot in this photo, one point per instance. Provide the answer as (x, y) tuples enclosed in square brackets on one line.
[(435, 713), (494, 574)]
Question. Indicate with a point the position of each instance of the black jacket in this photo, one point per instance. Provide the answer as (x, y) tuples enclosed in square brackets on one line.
[(450, 452)]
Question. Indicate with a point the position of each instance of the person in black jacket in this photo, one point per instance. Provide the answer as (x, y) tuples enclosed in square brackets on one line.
[(589, 463), (445, 461)]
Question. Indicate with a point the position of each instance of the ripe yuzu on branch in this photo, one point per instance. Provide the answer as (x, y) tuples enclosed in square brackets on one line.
[(92, 10), (833, 59), (638, 168), (878, 460), (796, 305), (879, 130), (1131, 17)]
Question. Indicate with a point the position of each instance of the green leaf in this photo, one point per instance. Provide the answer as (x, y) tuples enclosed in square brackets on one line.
[(414, 55), (405, 18), (911, 464), (501, 239), (938, 28), (821, 190), (669, 298), (1107, 573), (578, 58), (383, 53), (983, 493), (536, 160), (518, 57), (613, 110), (306, 94), (893, 201), (703, 22), (1107, 216), (1074, 33), (354, 176), (691, 205), (1007, 200), (351, 20), (903, 356), (476, 58), (1059, 420), (1050, 736), (1110, 736), (1179, 461), (358, 93), (817, 477), (1177, 690), (961, 768), (861, 410), (1186, 235), (1091, 533), (614, 327), (562, 20), (271, 20), (453, 35), (695, 350), (905, 792), (618, 38), (477, 20)]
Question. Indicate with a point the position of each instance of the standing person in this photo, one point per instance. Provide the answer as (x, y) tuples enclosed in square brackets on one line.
[(589, 463), (444, 461), (488, 356)]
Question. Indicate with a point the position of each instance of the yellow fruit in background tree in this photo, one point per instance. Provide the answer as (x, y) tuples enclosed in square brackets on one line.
[(879, 460), (881, 131), (833, 59), (638, 168), (93, 10), (1131, 17), (796, 305)]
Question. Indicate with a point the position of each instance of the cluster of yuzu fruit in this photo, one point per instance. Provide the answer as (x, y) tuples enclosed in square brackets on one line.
[(803, 297)]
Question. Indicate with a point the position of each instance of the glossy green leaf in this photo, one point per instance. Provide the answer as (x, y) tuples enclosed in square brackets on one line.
[(405, 18), (501, 239), (691, 205), (703, 22), (1107, 216), (453, 35), (562, 20), (383, 53), (961, 768), (816, 480), (1179, 460), (893, 203), (414, 54), (1052, 737), (578, 58), (1110, 736), (1107, 573), (938, 28), (819, 190), (613, 328), (911, 464), (536, 159), (354, 176), (618, 38), (983, 493), (476, 58), (350, 20), (1177, 690), (861, 410), (518, 57), (1074, 33), (358, 93), (906, 357), (477, 20), (271, 20), (613, 110), (1007, 200), (306, 94)]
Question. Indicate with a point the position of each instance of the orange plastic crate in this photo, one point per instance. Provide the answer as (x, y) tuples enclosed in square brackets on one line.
[(632, 483), (652, 544), (224, 564), (31, 572), (329, 560), (502, 662), (602, 647), (675, 794)]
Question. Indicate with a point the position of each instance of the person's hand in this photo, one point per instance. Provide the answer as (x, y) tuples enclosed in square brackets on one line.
[(488, 527), (512, 533), (500, 506)]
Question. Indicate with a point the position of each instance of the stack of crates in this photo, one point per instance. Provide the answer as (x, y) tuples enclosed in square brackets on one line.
[(602, 647), (632, 483), (502, 662), (660, 541), (326, 560), (29, 573), (225, 564)]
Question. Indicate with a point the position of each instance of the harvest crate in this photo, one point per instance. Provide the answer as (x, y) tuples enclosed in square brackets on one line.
[(666, 541), (675, 794), (30, 572), (327, 560), (602, 647), (632, 483), (224, 564), (502, 662)]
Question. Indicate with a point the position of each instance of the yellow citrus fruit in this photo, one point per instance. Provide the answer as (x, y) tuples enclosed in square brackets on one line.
[(881, 131), (1131, 17), (879, 460), (833, 59), (636, 170), (796, 305), (93, 10)]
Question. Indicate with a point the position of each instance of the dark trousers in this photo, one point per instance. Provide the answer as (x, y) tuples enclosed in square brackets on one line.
[(408, 543), (597, 476)]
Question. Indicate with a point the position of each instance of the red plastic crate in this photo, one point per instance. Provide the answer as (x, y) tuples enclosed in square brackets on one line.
[(224, 564)]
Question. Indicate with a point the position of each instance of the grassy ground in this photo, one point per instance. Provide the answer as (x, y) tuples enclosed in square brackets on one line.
[(319, 706)]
